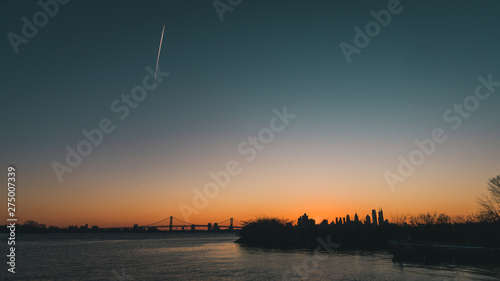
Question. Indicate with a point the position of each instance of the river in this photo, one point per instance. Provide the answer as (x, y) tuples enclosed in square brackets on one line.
[(204, 256)]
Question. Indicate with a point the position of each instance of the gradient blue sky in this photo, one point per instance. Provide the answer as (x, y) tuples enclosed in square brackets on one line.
[(353, 120)]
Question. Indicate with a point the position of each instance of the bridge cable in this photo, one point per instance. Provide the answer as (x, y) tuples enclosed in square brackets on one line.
[(157, 221), (183, 221), (223, 221)]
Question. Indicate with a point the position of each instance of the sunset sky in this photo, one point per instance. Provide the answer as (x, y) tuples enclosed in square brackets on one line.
[(353, 120)]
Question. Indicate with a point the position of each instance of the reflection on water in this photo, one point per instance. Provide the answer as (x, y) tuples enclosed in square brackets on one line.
[(209, 250), (209, 257)]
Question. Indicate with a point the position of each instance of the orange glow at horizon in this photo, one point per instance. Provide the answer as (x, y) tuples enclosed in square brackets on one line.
[(128, 208), (275, 185)]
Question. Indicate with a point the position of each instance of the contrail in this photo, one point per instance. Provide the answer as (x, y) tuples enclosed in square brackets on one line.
[(158, 58)]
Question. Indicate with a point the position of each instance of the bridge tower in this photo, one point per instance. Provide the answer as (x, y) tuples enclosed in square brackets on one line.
[(170, 226), (209, 227), (231, 224)]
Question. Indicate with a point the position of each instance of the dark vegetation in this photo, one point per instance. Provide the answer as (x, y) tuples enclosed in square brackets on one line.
[(426, 236), (273, 232)]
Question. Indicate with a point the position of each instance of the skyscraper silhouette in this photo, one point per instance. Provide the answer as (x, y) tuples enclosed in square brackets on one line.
[(367, 220), (380, 217)]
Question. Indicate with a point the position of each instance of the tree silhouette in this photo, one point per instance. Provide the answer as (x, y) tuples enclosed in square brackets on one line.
[(30, 224), (490, 204)]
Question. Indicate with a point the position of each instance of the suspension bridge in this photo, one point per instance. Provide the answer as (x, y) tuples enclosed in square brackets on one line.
[(175, 224)]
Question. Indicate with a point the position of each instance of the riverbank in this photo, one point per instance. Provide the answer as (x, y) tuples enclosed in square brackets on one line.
[(465, 242)]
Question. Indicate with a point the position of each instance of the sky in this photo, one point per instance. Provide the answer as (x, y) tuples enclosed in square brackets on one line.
[(354, 117)]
